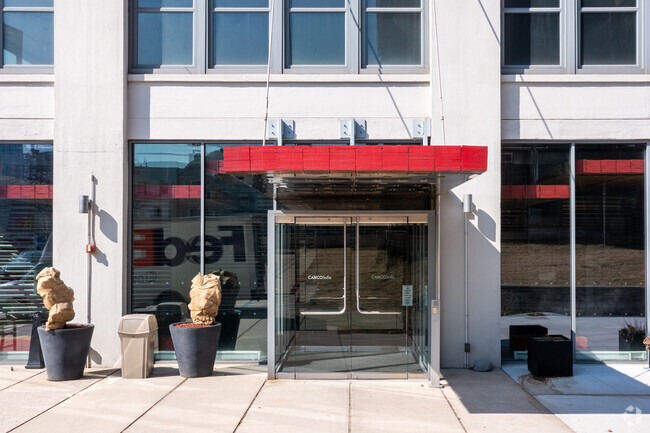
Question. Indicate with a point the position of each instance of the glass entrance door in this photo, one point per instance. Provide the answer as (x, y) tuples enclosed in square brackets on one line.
[(351, 296)]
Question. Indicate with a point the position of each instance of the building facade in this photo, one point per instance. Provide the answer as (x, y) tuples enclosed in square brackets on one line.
[(385, 187)]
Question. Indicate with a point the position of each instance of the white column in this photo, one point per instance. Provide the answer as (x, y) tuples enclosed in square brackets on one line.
[(90, 140)]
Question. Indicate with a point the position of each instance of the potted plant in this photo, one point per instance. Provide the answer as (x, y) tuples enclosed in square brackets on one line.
[(196, 342), (550, 356), (630, 337), (65, 345)]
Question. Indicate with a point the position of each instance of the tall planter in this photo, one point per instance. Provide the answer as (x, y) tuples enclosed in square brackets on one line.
[(631, 342), (65, 350), (196, 347), (550, 356)]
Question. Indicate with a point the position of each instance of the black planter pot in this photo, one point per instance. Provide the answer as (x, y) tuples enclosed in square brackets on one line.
[(196, 349), (635, 344), (550, 357), (65, 351)]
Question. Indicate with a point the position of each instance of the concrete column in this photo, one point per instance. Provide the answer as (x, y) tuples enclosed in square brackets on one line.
[(90, 140), (469, 78)]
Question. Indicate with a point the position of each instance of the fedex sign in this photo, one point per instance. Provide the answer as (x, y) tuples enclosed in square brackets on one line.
[(152, 248)]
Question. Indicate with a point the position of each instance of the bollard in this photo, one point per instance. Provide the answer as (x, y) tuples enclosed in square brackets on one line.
[(35, 359)]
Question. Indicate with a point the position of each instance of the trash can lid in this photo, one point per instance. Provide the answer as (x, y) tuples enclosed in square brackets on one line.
[(138, 324)]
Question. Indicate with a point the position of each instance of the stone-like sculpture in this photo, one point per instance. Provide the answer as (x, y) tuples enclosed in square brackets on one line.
[(57, 298), (205, 298)]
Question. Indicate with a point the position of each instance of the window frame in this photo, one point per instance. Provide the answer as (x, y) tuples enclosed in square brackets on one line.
[(278, 22), (570, 22), (198, 44), (640, 58), (423, 11), (564, 17), (351, 39), (209, 31), (22, 69)]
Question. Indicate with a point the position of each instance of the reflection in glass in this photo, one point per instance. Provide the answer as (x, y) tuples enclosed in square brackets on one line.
[(241, 3), (610, 253), (164, 38), (392, 38), (25, 239), (535, 245), (532, 39), (166, 231), (28, 3), (325, 322), (240, 38), (531, 3), (607, 3), (608, 38), (28, 38), (316, 39), (235, 248)]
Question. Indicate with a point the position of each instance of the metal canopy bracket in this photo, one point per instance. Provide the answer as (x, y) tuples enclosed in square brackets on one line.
[(279, 129), (353, 129), (422, 129)]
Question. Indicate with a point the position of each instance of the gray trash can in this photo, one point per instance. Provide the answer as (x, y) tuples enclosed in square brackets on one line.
[(139, 340)]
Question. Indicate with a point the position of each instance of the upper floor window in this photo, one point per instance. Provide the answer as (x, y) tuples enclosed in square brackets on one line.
[(558, 36), (308, 35), (27, 34)]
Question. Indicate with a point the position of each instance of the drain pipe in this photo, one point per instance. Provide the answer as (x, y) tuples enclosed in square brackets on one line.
[(268, 77), (467, 210)]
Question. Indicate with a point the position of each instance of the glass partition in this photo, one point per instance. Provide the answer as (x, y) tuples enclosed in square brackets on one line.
[(351, 296), (25, 240), (535, 245), (174, 235), (610, 253)]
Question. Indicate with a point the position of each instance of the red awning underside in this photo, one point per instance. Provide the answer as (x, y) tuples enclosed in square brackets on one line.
[(355, 159)]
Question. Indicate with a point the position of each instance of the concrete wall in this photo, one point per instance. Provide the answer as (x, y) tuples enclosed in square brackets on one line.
[(469, 79), (26, 107), (575, 107), (211, 107), (90, 140)]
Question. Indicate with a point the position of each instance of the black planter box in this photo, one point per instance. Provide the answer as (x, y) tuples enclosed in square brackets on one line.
[(519, 336), (550, 356), (634, 345)]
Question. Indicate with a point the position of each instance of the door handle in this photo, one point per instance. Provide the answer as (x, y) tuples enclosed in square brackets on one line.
[(345, 283), (357, 282)]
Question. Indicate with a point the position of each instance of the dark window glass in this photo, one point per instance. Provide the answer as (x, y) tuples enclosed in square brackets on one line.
[(607, 3), (392, 38), (532, 3), (25, 238), (610, 253), (240, 38), (535, 245), (166, 231), (608, 38), (241, 3), (235, 246), (28, 38), (166, 243), (165, 3), (393, 3), (316, 39), (532, 39), (164, 38), (317, 3)]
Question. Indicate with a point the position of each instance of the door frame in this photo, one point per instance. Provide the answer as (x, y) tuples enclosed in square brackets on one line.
[(433, 322)]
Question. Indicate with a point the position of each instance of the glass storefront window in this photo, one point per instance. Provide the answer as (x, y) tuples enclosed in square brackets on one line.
[(167, 243), (25, 240), (535, 245), (235, 248), (610, 285), (610, 253)]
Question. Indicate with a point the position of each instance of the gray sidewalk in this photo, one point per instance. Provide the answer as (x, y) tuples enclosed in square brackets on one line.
[(237, 398)]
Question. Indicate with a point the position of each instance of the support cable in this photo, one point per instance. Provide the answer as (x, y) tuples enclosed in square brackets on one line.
[(268, 75)]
